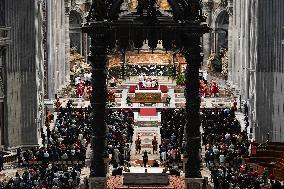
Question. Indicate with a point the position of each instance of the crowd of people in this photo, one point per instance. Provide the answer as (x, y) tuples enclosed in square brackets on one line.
[(58, 162), (119, 135), (172, 133), (226, 144), (41, 177), (48, 166), (227, 150), (60, 159)]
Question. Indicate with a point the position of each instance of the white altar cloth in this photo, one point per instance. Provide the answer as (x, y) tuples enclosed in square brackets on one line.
[(147, 91)]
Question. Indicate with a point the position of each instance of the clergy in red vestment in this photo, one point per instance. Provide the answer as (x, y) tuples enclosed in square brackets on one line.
[(80, 89), (202, 89), (214, 88)]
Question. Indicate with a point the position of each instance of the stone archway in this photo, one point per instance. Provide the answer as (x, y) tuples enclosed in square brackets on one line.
[(75, 21), (220, 30)]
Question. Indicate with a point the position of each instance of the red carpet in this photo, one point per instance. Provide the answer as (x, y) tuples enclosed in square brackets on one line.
[(148, 112)]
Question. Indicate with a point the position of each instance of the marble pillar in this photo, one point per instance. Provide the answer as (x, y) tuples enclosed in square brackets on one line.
[(60, 32), (253, 61), (40, 68), (247, 50), (236, 43), (86, 46), (62, 45), (51, 51), (56, 42), (230, 40), (207, 10), (242, 61), (23, 72), (4, 42), (67, 41), (57, 39)]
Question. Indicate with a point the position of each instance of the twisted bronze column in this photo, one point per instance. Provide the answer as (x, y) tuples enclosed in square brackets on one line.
[(191, 51), (98, 59)]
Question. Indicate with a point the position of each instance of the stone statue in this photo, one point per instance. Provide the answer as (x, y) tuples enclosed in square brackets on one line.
[(211, 58), (225, 62)]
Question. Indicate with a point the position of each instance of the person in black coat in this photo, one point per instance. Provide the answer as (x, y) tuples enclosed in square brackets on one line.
[(19, 155), (1, 161), (145, 158)]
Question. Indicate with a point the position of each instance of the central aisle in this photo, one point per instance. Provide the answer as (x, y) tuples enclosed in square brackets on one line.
[(146, 127), (146, 135)]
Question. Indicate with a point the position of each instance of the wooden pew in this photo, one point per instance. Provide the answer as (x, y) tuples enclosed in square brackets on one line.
[(270, 155)]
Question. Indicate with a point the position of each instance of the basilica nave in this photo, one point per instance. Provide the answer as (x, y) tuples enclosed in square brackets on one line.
[(142, 94)]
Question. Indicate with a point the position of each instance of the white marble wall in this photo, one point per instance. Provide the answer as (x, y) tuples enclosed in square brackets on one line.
[(278, 113), (244, 52), (256, 60), (207, 45), (270, 62), (67, 40), (252, 63), (39, 69), (257, 63)]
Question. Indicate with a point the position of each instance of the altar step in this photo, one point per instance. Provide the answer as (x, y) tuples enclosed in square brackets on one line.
[(147, 123), (145, 187), (146, 135), (170, 84)]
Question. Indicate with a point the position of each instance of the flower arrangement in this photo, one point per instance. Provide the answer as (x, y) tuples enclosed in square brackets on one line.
[(180, 80), (225, 65)]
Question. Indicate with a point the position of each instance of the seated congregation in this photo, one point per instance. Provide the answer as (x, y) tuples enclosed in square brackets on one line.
[(226, 148), (58, 163)]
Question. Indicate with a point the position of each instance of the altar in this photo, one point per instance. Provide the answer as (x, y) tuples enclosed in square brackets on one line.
[(161, 88), (148, 91), (151, 96)]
